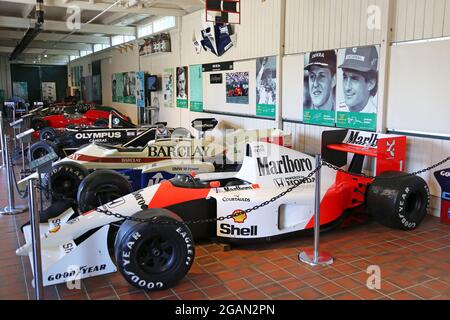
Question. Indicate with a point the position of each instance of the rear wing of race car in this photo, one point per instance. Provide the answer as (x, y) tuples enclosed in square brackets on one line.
[(389, 151)]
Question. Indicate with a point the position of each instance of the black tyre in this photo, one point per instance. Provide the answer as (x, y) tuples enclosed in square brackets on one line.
[(64, 180), (397, 201), (47, 133), (101, 187), (42, 148), (154, 256), (38, 123), (101, 122)]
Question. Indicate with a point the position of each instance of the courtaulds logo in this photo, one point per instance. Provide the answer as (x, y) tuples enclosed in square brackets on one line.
[(239, 216)]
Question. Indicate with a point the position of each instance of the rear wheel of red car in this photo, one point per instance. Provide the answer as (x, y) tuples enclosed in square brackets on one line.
[(38, 123), (101, 122), (398, 201), (64, 179), (101, 187), (47, 133), (156, 255)]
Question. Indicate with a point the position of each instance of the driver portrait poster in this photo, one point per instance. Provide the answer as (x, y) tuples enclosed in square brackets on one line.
[(196, 87), (266, 86), (140, 92), (182, 87), (167, 86), (357, 88), (319, 104)]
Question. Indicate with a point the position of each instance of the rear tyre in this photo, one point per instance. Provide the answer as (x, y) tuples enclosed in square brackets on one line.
[(101, 122), (101, 187), (154, 256), (397, 201), (64, 180), (47, 133), (42, 148)]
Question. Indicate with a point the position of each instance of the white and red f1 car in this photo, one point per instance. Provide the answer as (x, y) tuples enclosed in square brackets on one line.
[(159, 251)]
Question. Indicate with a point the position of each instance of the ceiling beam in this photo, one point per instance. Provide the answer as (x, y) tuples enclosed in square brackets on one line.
[(49, 25), (48, 45), (41, 51), (18, 35), (84, 5), (114, 17)]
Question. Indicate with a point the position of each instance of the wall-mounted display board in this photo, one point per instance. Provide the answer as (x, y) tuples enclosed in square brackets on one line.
[(196, 88), (20, 89), (155, 44), (182, 87), (419, 89), (49, 91), (123, 87), (333, 88), (357, 88), (140, 89), (266, 86), (167, 87)]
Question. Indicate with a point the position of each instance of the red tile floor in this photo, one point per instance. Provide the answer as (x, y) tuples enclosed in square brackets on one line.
[(414, 265)]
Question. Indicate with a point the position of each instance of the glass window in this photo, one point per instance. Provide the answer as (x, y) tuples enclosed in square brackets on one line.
[(164, 23), (145, 30), (116, 40)]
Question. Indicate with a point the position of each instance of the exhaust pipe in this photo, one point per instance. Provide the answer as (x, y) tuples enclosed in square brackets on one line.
[(32, 32)]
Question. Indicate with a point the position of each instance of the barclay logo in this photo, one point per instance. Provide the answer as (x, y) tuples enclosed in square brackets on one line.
[(178, 151), (356, 138), (285, 165), (98, 135)]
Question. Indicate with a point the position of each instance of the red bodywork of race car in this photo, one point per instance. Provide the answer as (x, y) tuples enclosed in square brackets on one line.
[(89, 118)]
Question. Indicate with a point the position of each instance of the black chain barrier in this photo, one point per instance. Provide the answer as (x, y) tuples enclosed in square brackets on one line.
[(155, 220), (282, 194)]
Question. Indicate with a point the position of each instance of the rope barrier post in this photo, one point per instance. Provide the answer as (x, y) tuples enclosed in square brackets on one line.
[(11, 209), (25, 139), (36, 240), (2, 144), (315, 257)]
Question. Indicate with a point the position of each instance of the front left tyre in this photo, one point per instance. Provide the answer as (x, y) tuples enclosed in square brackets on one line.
[(63, 181), (157, 255)]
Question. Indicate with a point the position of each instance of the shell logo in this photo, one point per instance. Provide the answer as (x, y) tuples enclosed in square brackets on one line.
[(239, 216), (55, 230)]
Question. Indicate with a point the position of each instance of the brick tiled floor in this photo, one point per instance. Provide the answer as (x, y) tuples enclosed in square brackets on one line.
[(414, 265)]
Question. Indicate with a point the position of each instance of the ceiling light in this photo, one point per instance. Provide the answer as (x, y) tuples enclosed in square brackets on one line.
[(45, 56)]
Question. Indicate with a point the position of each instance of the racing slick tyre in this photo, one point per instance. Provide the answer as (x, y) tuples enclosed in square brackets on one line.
[(38, 123), (101, 122), (64, 180), (42, 148), (47, 133), (398, 201), (101, 187), (156, 255)]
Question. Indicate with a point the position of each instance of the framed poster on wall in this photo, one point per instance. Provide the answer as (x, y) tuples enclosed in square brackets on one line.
[(167, 86), (237, 85), (196, 88), (357, 88), (20, 89), (140, 89), (266, 86), (182, 87), (319, 104), (49, 91)]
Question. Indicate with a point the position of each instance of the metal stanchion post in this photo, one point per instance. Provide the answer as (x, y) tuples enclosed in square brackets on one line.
[(314, 257), (2, 144), (36, 239), (11, 208)]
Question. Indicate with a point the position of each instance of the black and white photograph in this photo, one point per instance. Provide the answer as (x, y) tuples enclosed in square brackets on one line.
[(358, 79), (320, 80), (182, 83), (266, 80)]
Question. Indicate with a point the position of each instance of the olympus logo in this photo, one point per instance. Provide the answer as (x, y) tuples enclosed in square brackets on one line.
[(98, 135)]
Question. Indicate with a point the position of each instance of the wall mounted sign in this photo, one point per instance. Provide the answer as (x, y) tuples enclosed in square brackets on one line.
[(219, 66), (216, 78)]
